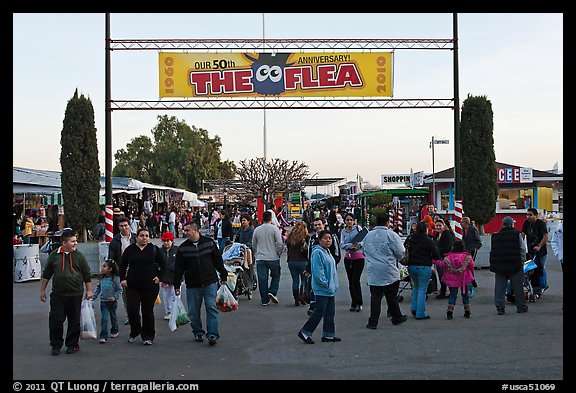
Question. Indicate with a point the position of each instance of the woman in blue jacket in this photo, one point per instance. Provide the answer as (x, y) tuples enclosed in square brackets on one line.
[(324, 285)]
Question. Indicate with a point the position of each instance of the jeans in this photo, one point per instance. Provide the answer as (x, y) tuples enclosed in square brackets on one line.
[(262, 269), (194, 298), (108, 310), (420, 276), (376, 294), (325, 310), (221, 244), (354, 268), (538, 279), (454, 295), (297, 272), (517, 281)]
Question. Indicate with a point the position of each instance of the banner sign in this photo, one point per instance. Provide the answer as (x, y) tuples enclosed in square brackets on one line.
[(233, 75), (514, 175), (395, 179)]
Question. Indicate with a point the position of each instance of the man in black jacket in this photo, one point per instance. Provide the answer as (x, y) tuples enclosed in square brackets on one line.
[(116, 248), (507, 255), (198, 259)]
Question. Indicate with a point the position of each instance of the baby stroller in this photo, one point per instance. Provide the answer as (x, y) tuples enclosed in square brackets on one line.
[(237, 260), (529, 293), (405, 283)]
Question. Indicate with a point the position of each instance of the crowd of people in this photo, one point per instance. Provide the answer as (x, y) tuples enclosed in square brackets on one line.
[(136, 270)]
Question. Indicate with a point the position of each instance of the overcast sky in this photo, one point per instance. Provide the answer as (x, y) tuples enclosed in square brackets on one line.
[(515, 60)]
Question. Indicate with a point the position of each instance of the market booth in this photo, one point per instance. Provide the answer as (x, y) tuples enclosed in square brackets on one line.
[(519, 189)]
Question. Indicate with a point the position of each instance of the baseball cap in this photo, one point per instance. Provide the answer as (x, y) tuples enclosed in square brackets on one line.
[(167, 236), (508, 221)]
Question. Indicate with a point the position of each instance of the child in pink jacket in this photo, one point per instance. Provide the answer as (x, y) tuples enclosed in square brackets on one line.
[(458, 273)]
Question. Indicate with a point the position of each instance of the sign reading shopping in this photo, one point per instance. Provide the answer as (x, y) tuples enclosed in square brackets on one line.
[(395, 179), (514, 175), (234, 75)]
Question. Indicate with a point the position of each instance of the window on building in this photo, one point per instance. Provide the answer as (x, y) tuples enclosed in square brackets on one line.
[(444, 200), (515, 199)]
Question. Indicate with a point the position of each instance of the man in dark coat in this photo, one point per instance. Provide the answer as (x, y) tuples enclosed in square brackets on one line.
[(507, 255)]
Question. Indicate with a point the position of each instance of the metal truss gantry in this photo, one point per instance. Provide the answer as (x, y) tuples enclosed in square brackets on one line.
[(275, 45)]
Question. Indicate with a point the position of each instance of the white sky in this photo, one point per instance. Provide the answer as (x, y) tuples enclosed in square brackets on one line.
[(516, 60)]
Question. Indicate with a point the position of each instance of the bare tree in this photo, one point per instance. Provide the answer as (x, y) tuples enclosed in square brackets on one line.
[(263, 178)]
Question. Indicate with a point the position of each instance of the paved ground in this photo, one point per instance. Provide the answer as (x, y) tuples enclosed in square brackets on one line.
[(260, 343)]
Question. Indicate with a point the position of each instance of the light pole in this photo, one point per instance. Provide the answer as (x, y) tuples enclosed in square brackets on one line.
[(432, 143)]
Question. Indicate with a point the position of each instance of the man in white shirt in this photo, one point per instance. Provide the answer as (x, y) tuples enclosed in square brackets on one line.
[(172, 221), (267, 244)]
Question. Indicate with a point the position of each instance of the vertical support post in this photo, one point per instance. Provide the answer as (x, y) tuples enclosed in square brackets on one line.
[(458, 222), (108, 138), (457, 161)]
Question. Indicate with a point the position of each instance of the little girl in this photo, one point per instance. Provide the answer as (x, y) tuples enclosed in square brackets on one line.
[(458, 273), (110, 290)]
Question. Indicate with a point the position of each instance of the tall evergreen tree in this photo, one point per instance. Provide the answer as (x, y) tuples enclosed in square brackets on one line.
[(80, 179), (479, 184)]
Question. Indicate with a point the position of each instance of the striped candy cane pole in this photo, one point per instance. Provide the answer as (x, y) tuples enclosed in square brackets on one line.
[(109, 223), (391, 218), (458, 226), (400, 221)]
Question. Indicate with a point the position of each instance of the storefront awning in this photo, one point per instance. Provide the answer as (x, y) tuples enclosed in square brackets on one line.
[(397, 192)]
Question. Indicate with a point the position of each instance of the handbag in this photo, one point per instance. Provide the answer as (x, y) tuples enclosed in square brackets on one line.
[(471, 290)]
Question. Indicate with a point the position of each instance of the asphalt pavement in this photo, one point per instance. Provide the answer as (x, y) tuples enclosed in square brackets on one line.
[(260, 343)]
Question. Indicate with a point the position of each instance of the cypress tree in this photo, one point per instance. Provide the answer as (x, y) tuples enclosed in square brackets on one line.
[(80, 179), (479, 184)]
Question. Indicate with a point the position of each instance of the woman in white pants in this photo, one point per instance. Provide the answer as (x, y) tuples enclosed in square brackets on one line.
[(167, 279)]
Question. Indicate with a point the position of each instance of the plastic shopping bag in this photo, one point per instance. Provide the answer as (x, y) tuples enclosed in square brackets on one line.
[(179, 315), (157, 301), (225, 301), (87, 320)]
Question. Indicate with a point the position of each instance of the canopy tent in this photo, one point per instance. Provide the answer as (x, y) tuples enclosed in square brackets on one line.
[(42, 182), (33, 181)]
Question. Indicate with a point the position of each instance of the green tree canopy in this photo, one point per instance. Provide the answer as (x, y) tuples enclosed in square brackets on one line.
[(479, 185), (180, 156), (79, 162)]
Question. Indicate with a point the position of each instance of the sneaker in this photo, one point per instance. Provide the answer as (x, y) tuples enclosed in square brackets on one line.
[(358, 308), (212, 340), (352, 308), (309, 312), (73, 349), (420, 318), (102, 341), (265, 304), (199, 338), (371, 327), (167, 316), (114, 335), (147, 342), (521, 310), (55, 351), (501, 311), (331, 339), (131, 339), (273, 298), (307, 340), (403, 318)]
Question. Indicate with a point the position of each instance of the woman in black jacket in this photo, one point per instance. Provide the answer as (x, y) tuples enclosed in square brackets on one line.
[(444, 240), (421, 251), (141, 266)]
